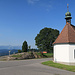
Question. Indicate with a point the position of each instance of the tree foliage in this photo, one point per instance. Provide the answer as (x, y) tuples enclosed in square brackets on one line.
[(45, 38), (24, 46), (19, 51), (29, 47)]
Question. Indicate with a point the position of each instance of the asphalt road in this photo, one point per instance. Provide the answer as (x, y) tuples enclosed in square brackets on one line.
[(30, 67)]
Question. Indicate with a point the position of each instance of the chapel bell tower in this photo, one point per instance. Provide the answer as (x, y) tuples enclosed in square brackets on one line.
[(68, 15)]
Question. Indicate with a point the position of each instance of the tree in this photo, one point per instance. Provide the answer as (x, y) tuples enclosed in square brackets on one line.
[(45, 38), (29, 47), (24, 46)]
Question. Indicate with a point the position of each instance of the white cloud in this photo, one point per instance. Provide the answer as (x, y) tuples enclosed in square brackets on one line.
[(32, 1), (47, 5)]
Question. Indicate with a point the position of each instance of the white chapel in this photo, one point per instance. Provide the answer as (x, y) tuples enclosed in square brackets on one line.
[(64, 45)]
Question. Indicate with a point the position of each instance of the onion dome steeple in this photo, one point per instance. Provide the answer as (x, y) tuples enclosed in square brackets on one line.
[(68, 15)]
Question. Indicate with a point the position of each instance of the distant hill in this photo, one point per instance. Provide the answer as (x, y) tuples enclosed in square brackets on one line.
[(10, 47), (4, 52)]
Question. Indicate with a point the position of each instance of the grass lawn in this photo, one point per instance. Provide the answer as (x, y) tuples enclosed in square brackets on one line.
[(60, 66), (45, 54), (18, 55), (48, 54)]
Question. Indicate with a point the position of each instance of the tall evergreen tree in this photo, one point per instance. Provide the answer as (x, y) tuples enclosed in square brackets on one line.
[(24, 46)]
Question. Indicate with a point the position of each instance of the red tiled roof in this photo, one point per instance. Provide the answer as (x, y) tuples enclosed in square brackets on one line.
[(67, 35)]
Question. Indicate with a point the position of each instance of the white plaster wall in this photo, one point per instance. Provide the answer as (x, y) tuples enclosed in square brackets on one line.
[(61, 53), (71, 53)]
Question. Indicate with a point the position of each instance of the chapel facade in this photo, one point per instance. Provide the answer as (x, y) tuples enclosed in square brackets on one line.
[(64, 45)]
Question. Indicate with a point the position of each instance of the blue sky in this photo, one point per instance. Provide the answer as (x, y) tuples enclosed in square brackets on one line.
[(22, 20)]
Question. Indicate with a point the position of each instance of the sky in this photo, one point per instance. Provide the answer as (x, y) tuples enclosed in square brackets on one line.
[(22, 20)]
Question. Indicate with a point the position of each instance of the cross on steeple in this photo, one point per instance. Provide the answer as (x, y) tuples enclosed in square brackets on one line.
[(67, 7)]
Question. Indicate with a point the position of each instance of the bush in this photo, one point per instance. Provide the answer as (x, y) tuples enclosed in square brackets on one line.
[(19, 51)]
